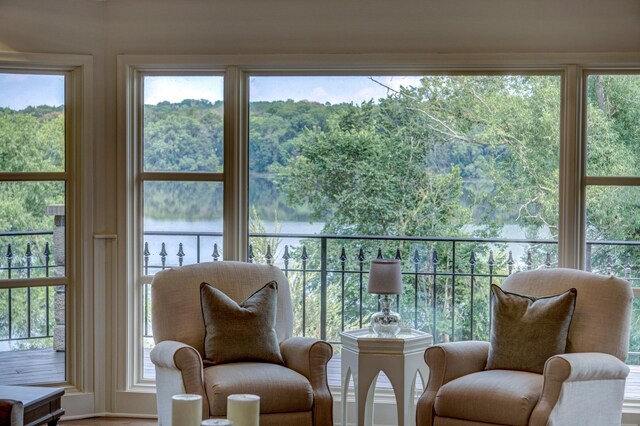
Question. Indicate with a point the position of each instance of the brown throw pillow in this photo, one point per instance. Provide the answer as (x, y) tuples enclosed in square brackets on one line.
[(526, 331), (243, 332)]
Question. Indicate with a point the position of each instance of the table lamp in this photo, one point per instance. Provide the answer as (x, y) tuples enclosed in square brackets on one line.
[(385, 278)]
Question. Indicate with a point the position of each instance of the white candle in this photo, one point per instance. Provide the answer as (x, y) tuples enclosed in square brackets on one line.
[(244, 409), (186, 410)]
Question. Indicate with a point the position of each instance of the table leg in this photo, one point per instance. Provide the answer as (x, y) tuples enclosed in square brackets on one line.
[(365, 392), (345, 389)]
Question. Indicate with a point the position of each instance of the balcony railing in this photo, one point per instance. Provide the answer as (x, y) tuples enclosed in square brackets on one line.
[(447, 280), (26, 313)]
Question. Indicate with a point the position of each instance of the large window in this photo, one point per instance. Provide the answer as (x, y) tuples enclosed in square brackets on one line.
[(343, 169), (467, 176), (180, 179), (34, 183), (612, 182)]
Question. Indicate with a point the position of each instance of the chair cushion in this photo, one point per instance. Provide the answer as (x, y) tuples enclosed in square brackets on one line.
[(280, 389), (240, 332), (526, 331), (502, 397)]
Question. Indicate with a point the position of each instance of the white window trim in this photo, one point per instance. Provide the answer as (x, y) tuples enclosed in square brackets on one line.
[(78, 70), (569, 66)]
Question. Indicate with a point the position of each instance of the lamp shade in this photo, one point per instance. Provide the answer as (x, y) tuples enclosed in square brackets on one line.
[(385, 277)]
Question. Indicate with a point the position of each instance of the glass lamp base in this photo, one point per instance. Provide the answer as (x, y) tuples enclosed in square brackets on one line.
[(385, 323)]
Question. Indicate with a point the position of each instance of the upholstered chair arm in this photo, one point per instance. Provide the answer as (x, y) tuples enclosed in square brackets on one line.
[(309, 357), (589, 383), (448, 361), (178, 370), (11, 412)]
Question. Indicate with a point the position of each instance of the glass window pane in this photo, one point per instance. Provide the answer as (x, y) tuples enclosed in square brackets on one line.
[(181, 217), (32, 123), (183, 123), (613, 231), (613, 245), (32, 229), (32, 335), (613, 125), (435, 157), (182, 225)]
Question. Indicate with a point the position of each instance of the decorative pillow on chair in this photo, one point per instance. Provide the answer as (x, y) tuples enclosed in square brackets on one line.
[(526, 331), (243, 332)]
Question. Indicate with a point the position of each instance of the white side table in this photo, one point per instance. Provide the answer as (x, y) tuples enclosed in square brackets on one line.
[(401, 358)]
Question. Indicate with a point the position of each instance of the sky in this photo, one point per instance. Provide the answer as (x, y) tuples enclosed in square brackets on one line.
[(17, 91)]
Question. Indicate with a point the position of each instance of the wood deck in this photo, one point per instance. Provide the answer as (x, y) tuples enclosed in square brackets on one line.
[(47, 366)]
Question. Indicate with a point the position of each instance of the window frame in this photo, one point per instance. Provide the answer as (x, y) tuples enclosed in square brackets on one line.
[(586, 179), (239, 68), (137, 177), (77, 70)]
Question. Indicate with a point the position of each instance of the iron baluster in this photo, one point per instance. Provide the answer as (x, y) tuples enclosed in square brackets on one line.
[(361, 265), (286, 256), (529, 261), (510, 262), (547, 261), (323, 288), (416, 262), (47, 257), (146, 255), (399, 257), (343, 261), (268, 256), (180, 254), (28, 256), (472, 267), (304, 259), (9, 257), (146, 308), (491, 266), (163, 255), (453, 293), (434, 267), (250, 256), (198, 249), (216, 253)]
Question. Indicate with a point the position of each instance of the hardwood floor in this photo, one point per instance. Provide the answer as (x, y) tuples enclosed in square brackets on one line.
[(110, 421)]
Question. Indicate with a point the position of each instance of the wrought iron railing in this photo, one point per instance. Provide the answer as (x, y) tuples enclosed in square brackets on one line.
[(447, 280), (26, 313)]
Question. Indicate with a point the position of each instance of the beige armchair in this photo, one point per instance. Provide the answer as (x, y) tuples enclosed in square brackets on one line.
[(583, 387), (296, 394)]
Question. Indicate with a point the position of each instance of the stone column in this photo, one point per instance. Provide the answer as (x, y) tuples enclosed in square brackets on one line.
[(58, 213)]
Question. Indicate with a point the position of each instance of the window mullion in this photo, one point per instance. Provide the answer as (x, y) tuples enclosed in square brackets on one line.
[(236, 166), (570, 233)]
